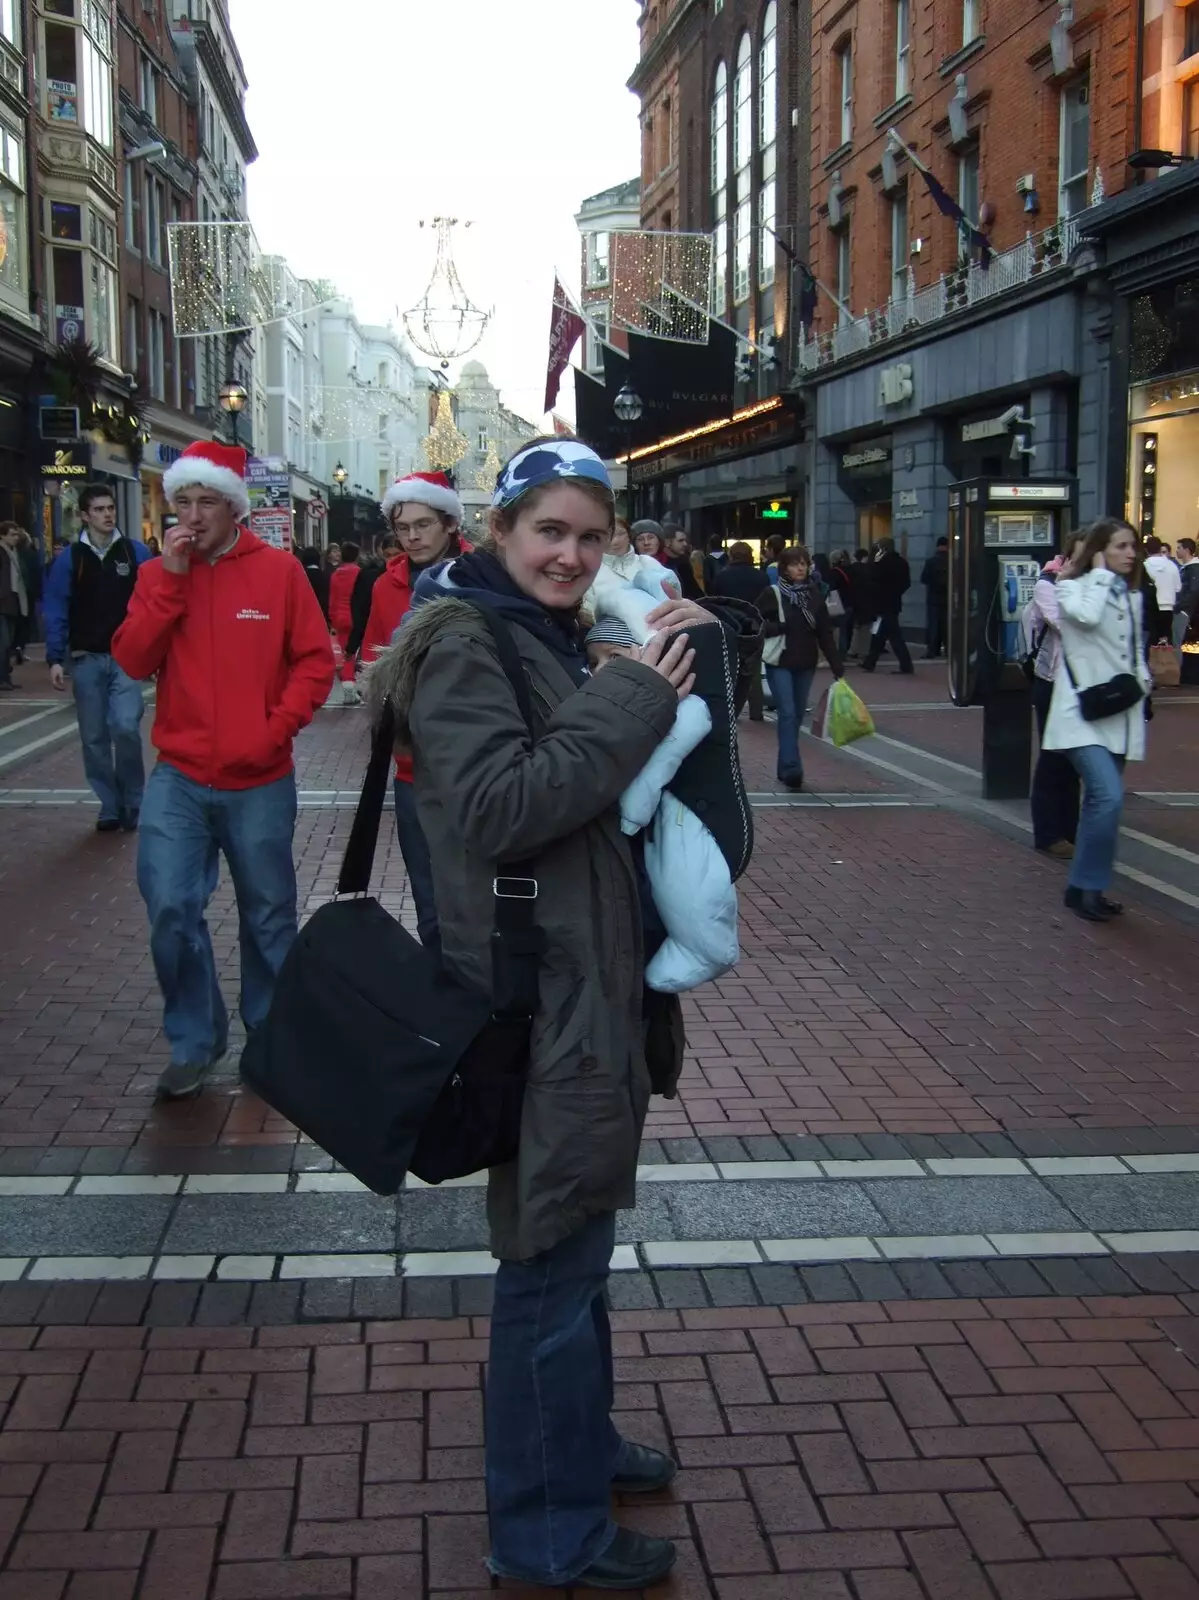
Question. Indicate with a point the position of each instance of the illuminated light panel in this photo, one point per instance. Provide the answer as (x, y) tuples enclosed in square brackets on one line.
[(744, 415)]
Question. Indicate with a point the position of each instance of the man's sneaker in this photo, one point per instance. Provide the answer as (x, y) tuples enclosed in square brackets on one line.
[(631, 1561), (129, 821), (351, 694), (183, 1078), (108, 825)]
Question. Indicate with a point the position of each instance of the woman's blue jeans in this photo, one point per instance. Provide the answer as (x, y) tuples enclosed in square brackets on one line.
[(1102, 775), (790, 688), (552, 1448)]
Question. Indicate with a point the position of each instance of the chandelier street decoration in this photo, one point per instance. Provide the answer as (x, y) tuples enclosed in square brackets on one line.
[(662, 284), (445, 323), (445, 445)]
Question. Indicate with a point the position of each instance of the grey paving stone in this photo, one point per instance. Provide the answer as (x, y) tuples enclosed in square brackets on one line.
[(1017, 1277), (776, 1210), (924, 1280), (378, 1299), (473, 1297), (961, 1144), (442, 1219), (828, 1283), (327, 1299), (20, 1162), (680, 1290), (724, 1147), (927, 1146), (120, 1305), (778, 1286), (1132, 1204), (118, 1226), (970, 1279), (845, 1146), (429, 1297), (632, 1291), (1186, 1266), (653, 1218), (966, 1205), (275, 1224), (1065, 1276), (764, 1147), (652, 1153), (21, 1302), (683, 1150), (172, 1305), (274, 1304), (60, 1160), (222, 1305), (1035, 1143), (68, 1304), (1108, 1275), (307, 1158), (1176, 1141), (729, 1286), (996, 1144), (805, 1147), (885, 1146), (875, 1280), (1153, 1274), (102, 1161)]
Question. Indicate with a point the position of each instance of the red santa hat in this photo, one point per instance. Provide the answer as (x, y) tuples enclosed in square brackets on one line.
[(425, 488), (210, 466)]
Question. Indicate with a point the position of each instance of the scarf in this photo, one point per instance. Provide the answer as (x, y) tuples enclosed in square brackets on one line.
[(481, 577), (800, 594)]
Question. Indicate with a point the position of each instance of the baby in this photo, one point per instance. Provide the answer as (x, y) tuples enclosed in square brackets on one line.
[(689, 880)]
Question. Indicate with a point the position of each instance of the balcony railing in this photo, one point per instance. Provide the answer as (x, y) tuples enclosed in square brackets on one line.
[(1036, 256)]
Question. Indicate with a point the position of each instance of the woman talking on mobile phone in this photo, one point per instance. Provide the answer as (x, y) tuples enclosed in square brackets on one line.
[(1100, 698)]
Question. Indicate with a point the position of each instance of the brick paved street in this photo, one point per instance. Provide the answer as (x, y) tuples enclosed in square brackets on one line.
[(912, 1328)]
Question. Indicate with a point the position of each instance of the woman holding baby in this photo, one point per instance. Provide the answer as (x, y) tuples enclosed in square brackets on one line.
[(488, 793)]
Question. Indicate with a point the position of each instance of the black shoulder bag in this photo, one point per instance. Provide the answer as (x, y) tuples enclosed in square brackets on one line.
[(375, 1052)]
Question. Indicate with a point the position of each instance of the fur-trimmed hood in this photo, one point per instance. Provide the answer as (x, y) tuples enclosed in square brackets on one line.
[(392, 677)]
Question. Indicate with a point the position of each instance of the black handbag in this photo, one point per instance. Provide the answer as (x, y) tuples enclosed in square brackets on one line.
[(1106, 699), (376, 1053)]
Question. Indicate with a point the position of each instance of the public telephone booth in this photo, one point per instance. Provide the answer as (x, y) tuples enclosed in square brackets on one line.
[(1001, 533)]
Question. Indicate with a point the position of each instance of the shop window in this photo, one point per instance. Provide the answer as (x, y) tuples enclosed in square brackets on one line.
[(1075, 157), (1190, 119), (62, 74), (70, 311), (899, 245), (903, 48), (66, 221), (13, 233)]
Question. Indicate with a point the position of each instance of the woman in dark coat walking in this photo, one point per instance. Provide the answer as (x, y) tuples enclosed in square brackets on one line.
[(796, 612), (891, 579)]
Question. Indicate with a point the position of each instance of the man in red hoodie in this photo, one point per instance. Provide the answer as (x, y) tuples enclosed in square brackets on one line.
[(425, 514), (241, 651)]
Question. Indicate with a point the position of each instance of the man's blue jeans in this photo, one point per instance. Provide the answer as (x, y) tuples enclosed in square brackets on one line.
[(790, 688), (552, 1449), (418, 864), (1102, 775), (185, 827), (109, 708)]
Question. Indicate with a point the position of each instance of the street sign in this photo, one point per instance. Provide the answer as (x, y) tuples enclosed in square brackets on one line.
[(318, 510)]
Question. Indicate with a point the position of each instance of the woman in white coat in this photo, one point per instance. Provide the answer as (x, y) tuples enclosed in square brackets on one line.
[(1102, 638)]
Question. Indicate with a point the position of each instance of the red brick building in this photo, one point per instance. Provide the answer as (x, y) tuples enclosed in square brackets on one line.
[(158, 141)]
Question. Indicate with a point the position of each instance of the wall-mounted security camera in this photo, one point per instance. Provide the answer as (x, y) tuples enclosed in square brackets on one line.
[(1013, 419)]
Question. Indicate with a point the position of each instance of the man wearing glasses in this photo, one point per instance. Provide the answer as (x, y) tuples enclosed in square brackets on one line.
[(425, 514)]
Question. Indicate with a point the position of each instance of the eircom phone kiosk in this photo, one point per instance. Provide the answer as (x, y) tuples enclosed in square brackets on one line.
[(1001, 533)]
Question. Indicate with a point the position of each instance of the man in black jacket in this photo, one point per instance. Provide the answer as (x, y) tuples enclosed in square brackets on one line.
[(364, 587), (935, 578), (892, 579), (678, 559)]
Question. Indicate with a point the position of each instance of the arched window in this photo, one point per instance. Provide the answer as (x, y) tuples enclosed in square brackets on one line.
[(719, 186), (768, 116), (743, 146)]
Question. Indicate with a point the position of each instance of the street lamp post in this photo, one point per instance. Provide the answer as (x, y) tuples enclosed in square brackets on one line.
[(233, 399), (629, 409), (339, 478)]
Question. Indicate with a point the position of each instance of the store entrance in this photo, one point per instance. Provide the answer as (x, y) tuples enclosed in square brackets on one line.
[(874, 523)]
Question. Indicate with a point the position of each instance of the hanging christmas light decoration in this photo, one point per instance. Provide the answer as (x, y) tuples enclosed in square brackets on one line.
[(445, 445), (445, 323), (221, 282), (488, 473), (661, 284)]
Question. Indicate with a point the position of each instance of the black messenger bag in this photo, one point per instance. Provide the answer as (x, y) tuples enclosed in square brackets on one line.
[(371, 1049)]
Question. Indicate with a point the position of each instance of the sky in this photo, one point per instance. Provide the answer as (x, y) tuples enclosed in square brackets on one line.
[(371, 115)]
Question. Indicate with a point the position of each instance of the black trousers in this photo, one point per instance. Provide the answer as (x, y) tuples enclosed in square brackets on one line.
[(889, 632), (1055, 791)]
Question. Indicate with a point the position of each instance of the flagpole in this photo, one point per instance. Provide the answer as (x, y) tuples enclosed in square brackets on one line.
[(927, 171), (791, 256)]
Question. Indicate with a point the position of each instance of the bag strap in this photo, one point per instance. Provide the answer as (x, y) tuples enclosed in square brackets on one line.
[(359, 858)]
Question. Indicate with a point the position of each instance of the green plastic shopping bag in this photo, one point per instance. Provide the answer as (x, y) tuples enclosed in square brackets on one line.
[(842, 716)]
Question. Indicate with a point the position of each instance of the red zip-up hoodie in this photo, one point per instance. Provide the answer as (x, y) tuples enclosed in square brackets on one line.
[(341, 587), (243, 659)]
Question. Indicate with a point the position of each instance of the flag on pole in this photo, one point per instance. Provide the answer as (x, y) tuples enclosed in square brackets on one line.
[(565, 327), (947, 205), (808, 295)]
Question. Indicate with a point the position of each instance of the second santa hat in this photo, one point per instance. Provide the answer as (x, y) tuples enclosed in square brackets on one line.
[(210, 465), (424, 488)]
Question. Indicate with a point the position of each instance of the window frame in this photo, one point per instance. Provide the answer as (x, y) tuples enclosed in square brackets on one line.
[(718, 185), (843, 55), (903, 48), (844, 238), (1074, 186), (743, 107), (901, 256), (10, 24), (13, 182), (972, 21), (156, 354)]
